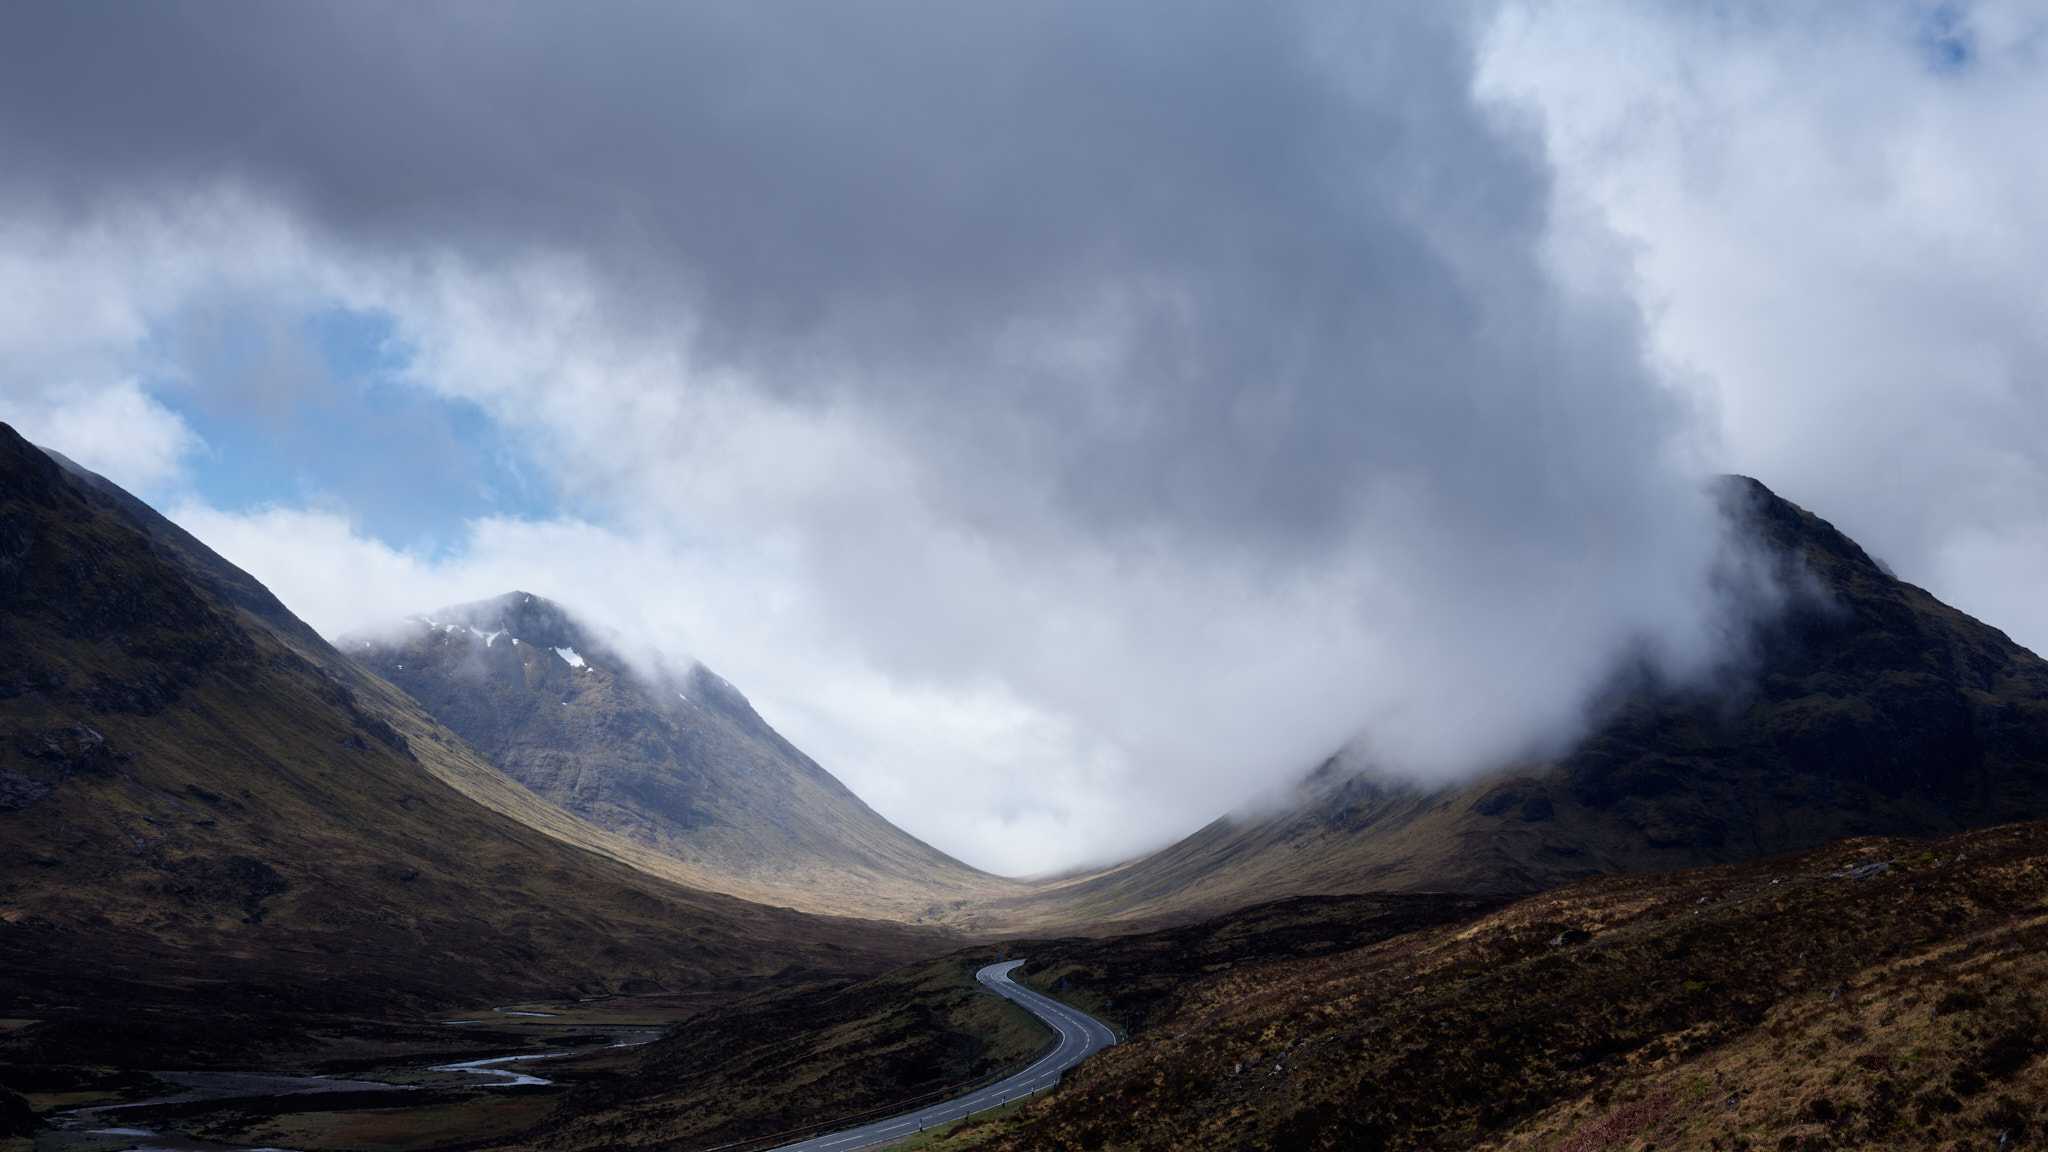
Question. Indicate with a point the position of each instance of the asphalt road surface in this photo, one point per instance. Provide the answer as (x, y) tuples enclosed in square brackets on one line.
[(1081, 1036)]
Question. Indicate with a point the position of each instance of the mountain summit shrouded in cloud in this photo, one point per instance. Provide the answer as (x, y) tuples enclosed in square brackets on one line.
[(1066, 422), (671, 757)]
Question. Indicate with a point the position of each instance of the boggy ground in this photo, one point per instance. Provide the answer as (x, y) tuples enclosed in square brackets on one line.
[(1874, 994), (396, 1097), (395, 1101), (726, 1072)]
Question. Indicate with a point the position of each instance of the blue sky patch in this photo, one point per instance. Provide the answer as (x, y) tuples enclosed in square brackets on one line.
[(320, 411)]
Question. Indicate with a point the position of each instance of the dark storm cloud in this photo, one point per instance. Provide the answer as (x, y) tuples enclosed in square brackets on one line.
[(1153, 396), (1314, 257)]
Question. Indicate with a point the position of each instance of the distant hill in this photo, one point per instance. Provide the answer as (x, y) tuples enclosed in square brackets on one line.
[(203, 805), (676, 761), (1869, 708)]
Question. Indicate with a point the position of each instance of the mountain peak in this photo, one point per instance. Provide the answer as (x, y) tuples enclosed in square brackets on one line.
[(204, 805), (669, 756), (1867, 707), (25, 470), (1787, 528), (522, 615)]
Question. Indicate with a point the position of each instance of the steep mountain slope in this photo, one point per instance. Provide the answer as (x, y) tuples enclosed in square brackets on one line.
[(201, 803), (1869, 708), (679, 763)]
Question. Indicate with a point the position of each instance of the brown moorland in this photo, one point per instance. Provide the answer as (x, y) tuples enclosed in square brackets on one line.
[(1871, 994)]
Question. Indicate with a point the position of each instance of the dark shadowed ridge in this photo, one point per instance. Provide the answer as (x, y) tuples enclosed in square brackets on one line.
[(204, 810), (1865, 707), (178, 546), (675, 760)]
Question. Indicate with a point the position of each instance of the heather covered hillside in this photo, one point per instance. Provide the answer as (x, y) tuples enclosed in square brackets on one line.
[(1876, 993)]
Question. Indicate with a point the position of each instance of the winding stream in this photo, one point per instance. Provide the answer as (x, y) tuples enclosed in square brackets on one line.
[(98, 1128), (508, 1077)]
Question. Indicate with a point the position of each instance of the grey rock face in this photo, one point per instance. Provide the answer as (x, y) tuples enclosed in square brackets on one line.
[(676, 759)]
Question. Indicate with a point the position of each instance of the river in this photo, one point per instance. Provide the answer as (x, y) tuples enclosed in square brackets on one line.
[(103, 1127)]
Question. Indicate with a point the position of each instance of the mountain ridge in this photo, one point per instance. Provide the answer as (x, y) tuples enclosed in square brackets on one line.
[(1865, 706), (675, 760), (206, 810)]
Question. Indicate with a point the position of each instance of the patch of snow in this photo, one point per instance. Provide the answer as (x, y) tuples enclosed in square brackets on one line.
[(569, 654), (515, 641), (683, 698)]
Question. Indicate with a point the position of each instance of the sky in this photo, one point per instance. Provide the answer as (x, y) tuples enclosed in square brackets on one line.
[(1068, 421)]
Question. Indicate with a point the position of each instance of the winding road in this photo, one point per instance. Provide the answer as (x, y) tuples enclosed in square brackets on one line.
[(1081, 1036)]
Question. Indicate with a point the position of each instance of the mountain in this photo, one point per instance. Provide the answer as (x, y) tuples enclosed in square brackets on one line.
[(1866, 707), (678, 762), (207, 810)]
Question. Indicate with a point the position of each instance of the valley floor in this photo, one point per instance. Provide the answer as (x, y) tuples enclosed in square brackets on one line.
[(351, 1083), (1873, 994), (664, 1070)]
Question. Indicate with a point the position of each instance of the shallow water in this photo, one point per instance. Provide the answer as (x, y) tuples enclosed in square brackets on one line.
[(510, 1077), (127, 1139), (98, 1128)]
